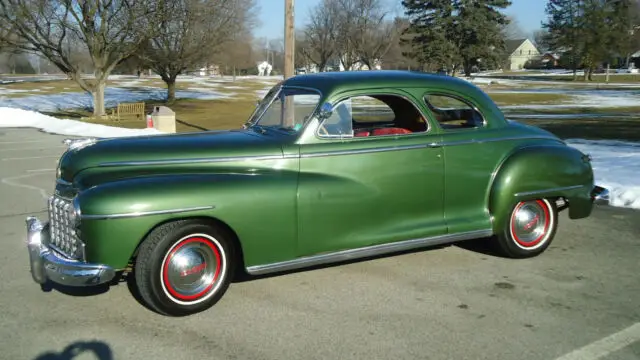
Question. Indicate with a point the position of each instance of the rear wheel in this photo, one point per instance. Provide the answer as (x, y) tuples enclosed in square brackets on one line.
[(184, 267), (530, 229)]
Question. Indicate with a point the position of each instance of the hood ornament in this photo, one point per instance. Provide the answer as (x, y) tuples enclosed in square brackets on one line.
[(77, 144)]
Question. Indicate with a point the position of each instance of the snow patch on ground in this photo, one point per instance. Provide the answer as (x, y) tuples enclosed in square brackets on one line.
[(616, 166), (113, 96), (18, 118)]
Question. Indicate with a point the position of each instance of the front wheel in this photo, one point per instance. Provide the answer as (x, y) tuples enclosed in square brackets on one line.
[(529, 230), (184, 267)]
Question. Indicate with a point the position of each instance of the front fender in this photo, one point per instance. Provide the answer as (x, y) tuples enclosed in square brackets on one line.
[(542, 171), (259, 208)]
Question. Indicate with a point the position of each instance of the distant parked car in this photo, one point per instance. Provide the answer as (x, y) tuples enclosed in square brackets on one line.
[(357, 164)]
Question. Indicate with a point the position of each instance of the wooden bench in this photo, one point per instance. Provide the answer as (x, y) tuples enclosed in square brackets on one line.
[(129, 109)]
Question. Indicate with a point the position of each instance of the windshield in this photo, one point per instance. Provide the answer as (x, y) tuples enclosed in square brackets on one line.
[(285, 109)]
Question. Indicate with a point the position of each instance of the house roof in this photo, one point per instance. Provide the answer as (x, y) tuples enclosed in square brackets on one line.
[(512, 45)]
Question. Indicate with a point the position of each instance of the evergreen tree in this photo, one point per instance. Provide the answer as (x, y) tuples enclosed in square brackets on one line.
[(456, 32), (564, 29), (589, 32)]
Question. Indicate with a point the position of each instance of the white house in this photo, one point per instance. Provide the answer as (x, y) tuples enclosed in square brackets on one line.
[(520, 51)]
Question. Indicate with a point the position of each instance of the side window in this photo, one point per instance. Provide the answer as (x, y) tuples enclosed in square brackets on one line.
[(372, 116), (453, 113)]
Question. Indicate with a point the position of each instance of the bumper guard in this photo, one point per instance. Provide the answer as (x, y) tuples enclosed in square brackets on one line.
[(46, 264), (600, 195)]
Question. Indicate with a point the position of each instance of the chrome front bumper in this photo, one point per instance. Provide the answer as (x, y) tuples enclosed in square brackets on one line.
[(46, 264), (600, 195)]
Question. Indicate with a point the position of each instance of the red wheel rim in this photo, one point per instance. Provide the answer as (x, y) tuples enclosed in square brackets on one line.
[(530, 223), (192, 268)]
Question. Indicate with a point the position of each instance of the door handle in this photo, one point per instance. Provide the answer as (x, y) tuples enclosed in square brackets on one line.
[(434, 145)]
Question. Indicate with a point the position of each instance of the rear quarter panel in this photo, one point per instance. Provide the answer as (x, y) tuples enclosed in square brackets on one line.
[(546, 169)]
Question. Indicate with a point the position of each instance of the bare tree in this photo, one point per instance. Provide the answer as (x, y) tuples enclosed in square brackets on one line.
[(190, 31), (398, 55), (107, 30), (301, 57), (364, 33), (346, 47), (512, 30), (238, 54), (321, 34)]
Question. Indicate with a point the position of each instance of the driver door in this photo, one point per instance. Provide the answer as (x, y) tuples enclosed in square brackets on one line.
[(356, 191)]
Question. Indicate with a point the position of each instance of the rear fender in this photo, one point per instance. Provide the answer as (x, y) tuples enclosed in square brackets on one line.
[(542, 171)]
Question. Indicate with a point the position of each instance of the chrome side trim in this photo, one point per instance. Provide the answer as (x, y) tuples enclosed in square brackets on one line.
[(195, 161), (535, 192), (507, 138), (144, 213), (313, 154), (366, 151), (342, 255), (411, 147)]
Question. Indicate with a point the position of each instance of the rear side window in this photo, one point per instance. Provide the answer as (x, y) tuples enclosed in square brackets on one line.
[(453, 113)]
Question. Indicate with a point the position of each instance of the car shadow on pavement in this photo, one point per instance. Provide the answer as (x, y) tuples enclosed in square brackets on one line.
[(80, 291), (100, 350)]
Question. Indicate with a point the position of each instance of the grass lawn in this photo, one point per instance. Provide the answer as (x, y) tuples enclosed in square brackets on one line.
[(49, 87), (601, 78), (201, 115), (623, 128), (191, 115), (503, 99)]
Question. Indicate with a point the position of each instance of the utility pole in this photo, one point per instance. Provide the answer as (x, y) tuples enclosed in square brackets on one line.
[(289, 50), (289, 39)]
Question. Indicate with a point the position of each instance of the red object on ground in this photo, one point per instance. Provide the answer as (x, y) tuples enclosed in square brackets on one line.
[(149, 121)]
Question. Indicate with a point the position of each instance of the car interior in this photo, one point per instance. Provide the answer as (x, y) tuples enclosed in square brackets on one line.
[(378, 115)]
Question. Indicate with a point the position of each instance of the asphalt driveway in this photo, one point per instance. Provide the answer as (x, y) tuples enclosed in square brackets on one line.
[(579, 300)]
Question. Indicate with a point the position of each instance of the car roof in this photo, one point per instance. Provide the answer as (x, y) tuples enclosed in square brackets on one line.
[(345, 80), (339, 81)]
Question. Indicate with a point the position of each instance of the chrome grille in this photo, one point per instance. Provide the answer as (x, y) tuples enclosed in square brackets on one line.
[(63, 228)]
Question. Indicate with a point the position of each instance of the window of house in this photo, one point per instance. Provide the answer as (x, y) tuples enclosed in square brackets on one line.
[(453, 113), (371, 116)]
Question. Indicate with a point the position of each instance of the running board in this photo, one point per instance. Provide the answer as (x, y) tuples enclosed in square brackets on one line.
[(350, 254)]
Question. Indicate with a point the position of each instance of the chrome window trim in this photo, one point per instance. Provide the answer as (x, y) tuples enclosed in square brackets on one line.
[(282, 87), (145, 213), (459, 98), (363, 252), (351, 137)]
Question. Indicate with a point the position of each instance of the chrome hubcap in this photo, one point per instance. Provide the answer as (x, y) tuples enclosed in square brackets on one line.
[(530, 222), (191, 268)]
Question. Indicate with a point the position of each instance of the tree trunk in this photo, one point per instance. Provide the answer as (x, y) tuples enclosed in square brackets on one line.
[(171, 91), (467, 69), (98, 99)]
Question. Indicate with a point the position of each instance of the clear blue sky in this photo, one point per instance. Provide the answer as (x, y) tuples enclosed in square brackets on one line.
[(528, 13)]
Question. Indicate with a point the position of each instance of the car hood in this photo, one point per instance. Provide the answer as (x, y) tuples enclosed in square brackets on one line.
[(166, 150)]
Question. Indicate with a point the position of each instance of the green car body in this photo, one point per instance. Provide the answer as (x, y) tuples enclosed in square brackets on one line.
[(292, 197)]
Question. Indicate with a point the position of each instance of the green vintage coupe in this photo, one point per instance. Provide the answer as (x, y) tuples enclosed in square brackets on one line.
[(329, 167)]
